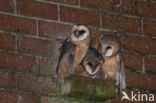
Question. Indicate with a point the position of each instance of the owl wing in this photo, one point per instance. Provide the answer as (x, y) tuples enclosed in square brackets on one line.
[(95, 42), (65, 60)]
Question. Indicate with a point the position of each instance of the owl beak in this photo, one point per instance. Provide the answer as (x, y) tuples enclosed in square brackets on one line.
[(104, 49), (76, 33)]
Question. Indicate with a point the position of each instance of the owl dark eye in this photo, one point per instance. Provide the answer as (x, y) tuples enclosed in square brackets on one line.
[(90, 64), (81, 31), (109, 47), (96, 65)]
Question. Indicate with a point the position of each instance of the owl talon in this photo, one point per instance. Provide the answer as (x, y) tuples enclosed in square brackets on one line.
[(107, 77), (116, 83), (72, 71), (60, 82)]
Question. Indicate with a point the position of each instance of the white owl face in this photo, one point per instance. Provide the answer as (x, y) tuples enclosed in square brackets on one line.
[(79, 33), (92, 69), (107, 49), (110, 45)]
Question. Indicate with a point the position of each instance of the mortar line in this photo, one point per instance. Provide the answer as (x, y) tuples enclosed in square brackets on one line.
[(142, 27), (67, 23), (56, 3), (129, 51), (27, 35), (59, 13), (16, 43), (56, 21), (93, 27), (47, 38), (79, 3), (101, 23), (92, 9), (143, 64), (26, 54), (137, 35), (27, 17), (75, 6), (12, 70), (15, 6)]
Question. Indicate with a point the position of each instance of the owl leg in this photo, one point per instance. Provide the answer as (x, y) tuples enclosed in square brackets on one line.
[(117, 80), (72, 69), (107, 77), (63, 71)]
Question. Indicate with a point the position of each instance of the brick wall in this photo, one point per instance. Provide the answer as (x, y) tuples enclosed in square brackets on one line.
[(31, 32)]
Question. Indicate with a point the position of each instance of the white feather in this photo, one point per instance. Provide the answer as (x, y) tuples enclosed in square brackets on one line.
[(81, 27), (97, 69), (88, 69), (109, 51), (82, 37)]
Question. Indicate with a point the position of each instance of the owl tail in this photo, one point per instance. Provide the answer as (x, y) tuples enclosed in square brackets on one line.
[(122, 77)]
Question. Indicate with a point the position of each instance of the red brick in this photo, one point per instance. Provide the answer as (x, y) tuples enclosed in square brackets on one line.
[(73, 2), (38, 9), (133, 61), (150, 27), (96, 32), (17, 24), (9, 97), (142, 81), (7, 79), (121, 23), (150, 63), (18, 62), (48, 66), (43, 85), (139, 8), (6, 5), (38, 46), (7, 41), (80, 16), (48, 29), (140, 44), (111, 5)]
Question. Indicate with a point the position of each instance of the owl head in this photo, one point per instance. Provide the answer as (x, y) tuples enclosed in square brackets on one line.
[(110, 45), (79, 33), (92, 61)]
